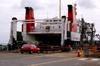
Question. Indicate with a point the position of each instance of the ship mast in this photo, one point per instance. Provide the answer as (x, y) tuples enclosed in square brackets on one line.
[(59, 9)]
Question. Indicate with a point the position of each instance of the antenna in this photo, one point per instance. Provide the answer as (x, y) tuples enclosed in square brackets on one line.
[(60, 9), (47, 15)]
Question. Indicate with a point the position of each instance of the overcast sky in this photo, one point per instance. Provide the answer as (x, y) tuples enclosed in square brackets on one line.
[(89, 9)]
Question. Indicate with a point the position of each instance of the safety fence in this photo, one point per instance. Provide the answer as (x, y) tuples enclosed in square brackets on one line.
[(3, 48), (49, 48), (91, 51)]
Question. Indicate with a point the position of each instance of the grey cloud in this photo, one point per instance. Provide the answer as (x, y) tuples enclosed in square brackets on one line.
[(5, 2), (16, 7), (6, 14), (4, 36), (39, 5), (88, 4), (32, 3)]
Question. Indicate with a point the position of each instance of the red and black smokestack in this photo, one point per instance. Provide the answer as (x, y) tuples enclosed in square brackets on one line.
[(70, 13), (30, 16), (72, 18)]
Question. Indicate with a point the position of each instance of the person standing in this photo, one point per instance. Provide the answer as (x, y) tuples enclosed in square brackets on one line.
[(2, 48)]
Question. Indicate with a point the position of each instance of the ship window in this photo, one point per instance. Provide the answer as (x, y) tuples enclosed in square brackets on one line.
[(53, 26), (59, 26), (50, 20), (42, 26), (54, 20), (59, 20), (47, 21)]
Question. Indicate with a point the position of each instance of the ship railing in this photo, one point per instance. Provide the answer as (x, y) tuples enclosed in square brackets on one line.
[(44, 30), (57, 20)]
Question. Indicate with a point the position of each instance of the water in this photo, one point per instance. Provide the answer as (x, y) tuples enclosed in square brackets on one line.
[(3, 43)]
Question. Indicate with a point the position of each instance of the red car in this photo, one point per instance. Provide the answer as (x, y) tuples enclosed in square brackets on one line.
[(29, 48)]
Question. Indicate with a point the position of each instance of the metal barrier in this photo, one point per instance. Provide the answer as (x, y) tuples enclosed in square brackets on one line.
[(49, 48), (91, 51)]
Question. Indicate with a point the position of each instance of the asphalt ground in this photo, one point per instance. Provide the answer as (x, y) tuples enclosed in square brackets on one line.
[(52, 59)]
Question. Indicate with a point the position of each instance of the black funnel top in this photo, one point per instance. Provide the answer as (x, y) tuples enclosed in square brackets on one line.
[(29, 8), (70, 8)]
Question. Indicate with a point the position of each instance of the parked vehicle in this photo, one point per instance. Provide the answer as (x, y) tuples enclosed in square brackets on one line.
[(29, 48)]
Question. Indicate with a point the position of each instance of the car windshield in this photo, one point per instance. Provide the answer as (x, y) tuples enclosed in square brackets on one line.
[(26, 45)]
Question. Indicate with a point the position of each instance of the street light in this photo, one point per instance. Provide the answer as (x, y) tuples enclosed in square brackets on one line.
[(91, 33)]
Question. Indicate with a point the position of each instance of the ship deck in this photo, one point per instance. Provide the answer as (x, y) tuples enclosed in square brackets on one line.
[(44, 33)]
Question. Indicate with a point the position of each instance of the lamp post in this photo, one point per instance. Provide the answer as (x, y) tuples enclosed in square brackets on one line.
[(91, 33)]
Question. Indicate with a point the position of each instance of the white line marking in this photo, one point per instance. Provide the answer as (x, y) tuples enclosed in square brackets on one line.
[(95, 59), (83, 59), (53, 56)]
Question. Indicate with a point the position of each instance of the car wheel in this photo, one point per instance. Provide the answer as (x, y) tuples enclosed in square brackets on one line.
[(21, 52), (38, 51), (31, 52)]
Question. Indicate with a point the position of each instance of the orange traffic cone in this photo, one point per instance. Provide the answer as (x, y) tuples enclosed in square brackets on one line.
[(80, 53)]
